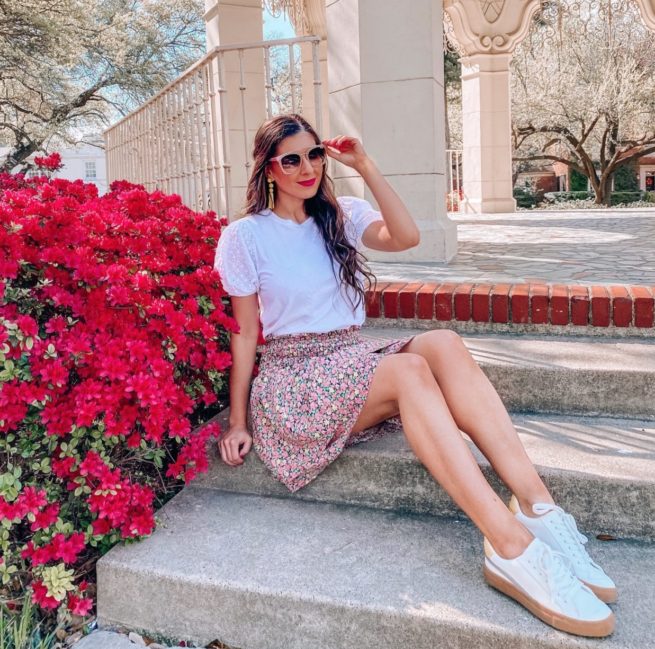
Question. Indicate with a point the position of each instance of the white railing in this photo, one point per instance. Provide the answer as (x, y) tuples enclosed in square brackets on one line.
[(454, 194), (182, 140)]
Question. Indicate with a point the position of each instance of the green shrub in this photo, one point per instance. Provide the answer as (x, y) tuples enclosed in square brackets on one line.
[(525, 197), (559, 197), (618, 198), (113, 351), (626, 179), (577, 181)]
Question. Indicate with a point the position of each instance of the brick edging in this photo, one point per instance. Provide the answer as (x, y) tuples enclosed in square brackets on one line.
[(529, 303)]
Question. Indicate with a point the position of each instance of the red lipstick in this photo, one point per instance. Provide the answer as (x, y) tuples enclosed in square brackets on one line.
[(307, 183)]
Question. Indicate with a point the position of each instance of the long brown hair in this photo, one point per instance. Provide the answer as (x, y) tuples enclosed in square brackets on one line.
[(322, 207)]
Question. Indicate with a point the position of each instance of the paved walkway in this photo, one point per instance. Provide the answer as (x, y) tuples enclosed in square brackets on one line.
[(577, 247)]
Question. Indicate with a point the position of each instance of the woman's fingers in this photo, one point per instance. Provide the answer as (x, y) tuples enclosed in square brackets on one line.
[(223, 451), (246, 447), (340, 142), (345, 149), (234, 452), (226, 452), (229, 449)]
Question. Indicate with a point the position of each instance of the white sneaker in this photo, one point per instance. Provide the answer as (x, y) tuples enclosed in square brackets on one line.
[(541, 580), (558, 529)]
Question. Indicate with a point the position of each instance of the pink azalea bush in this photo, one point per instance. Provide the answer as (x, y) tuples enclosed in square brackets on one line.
[(113, 339)]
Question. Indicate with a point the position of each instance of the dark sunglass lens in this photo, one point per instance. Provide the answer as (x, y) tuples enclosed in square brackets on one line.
[(316, 154), (290, 161)]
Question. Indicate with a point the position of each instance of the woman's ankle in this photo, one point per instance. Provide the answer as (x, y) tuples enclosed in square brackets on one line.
[(526, 503), (512, 547)]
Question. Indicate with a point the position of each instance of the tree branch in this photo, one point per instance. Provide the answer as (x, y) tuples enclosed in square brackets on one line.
[(554, 158)]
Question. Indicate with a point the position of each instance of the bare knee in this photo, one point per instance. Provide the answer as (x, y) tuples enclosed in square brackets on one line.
[(443, 347), (410, 369), (394, 376), (446, 339)]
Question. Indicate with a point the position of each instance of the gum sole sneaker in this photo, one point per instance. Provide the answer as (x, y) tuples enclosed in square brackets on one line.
[(541, 580), (557, 529)]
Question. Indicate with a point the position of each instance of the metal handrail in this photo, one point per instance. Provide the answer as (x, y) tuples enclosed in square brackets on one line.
[(181, 141), (211, 53)]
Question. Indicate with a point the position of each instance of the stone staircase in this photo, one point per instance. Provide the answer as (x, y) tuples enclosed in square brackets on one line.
[(373, 554)]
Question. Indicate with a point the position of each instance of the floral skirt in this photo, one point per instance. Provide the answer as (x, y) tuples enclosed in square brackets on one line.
[(307, 396)]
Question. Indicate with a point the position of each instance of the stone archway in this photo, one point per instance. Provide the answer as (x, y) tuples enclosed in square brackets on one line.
[(486, 33), (647, 10)]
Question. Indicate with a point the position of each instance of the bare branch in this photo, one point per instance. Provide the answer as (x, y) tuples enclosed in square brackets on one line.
[(554, 158)]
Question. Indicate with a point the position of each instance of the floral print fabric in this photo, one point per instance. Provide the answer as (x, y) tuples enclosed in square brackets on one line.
[(307, 396)]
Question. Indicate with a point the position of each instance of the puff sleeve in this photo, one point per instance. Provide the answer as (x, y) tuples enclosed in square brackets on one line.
[(359, 215), (236, 261)]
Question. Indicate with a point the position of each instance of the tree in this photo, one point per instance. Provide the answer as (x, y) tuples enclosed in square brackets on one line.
[(583, 87), (453, 98), (281, 77), (73, 65)]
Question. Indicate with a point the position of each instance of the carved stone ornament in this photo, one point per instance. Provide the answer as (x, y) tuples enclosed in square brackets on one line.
[(315, 20), (293, 9), (488, 26), (492, 9), (647, 9)]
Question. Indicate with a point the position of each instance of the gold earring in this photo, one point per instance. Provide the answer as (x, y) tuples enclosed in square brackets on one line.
[(271, 194)]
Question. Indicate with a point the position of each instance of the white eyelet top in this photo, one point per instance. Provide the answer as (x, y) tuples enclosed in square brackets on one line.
[(287, 265)]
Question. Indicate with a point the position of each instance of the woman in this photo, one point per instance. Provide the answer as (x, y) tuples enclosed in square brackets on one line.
[(322, 386)]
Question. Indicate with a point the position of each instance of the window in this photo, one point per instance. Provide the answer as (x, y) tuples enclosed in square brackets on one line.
[(650, 181), (90, 170)]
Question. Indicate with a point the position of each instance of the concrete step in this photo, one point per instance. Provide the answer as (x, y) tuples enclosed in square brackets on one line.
[(268, 573), (550, 374), (601, 470)]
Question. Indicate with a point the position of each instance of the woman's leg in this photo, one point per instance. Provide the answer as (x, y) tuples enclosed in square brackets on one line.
[(516, 563), (404, 383), (479, 412)]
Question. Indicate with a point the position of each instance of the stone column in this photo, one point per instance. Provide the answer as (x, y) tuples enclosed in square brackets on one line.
[(486, 33), (230, 22), (385, 63), (315, 25)]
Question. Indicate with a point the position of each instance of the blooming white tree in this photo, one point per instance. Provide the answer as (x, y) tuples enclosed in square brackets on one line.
[(67, 65), (583, 89)]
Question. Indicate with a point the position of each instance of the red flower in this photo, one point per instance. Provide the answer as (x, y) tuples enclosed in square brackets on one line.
[(51, 162), (61, 467), (67, 549), (40, 595), (32, 499), (48, 516), (27, 325), (79, 606), (100, 526), (114, 291), (38, 556)]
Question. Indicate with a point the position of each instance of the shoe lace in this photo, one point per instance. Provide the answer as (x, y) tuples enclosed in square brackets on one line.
[(568, 530), (563, 584)]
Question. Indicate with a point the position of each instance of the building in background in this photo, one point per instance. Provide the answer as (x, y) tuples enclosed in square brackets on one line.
[(558, 177), (85, 161)]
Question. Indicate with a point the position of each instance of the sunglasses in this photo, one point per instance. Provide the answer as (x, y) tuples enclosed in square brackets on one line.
[(290, 162)]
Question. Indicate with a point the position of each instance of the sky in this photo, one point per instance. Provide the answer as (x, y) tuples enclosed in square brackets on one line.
[(274, 28), (277, 27)]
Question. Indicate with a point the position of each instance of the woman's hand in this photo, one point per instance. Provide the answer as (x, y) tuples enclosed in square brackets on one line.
[(347, 150), (234, 445)]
